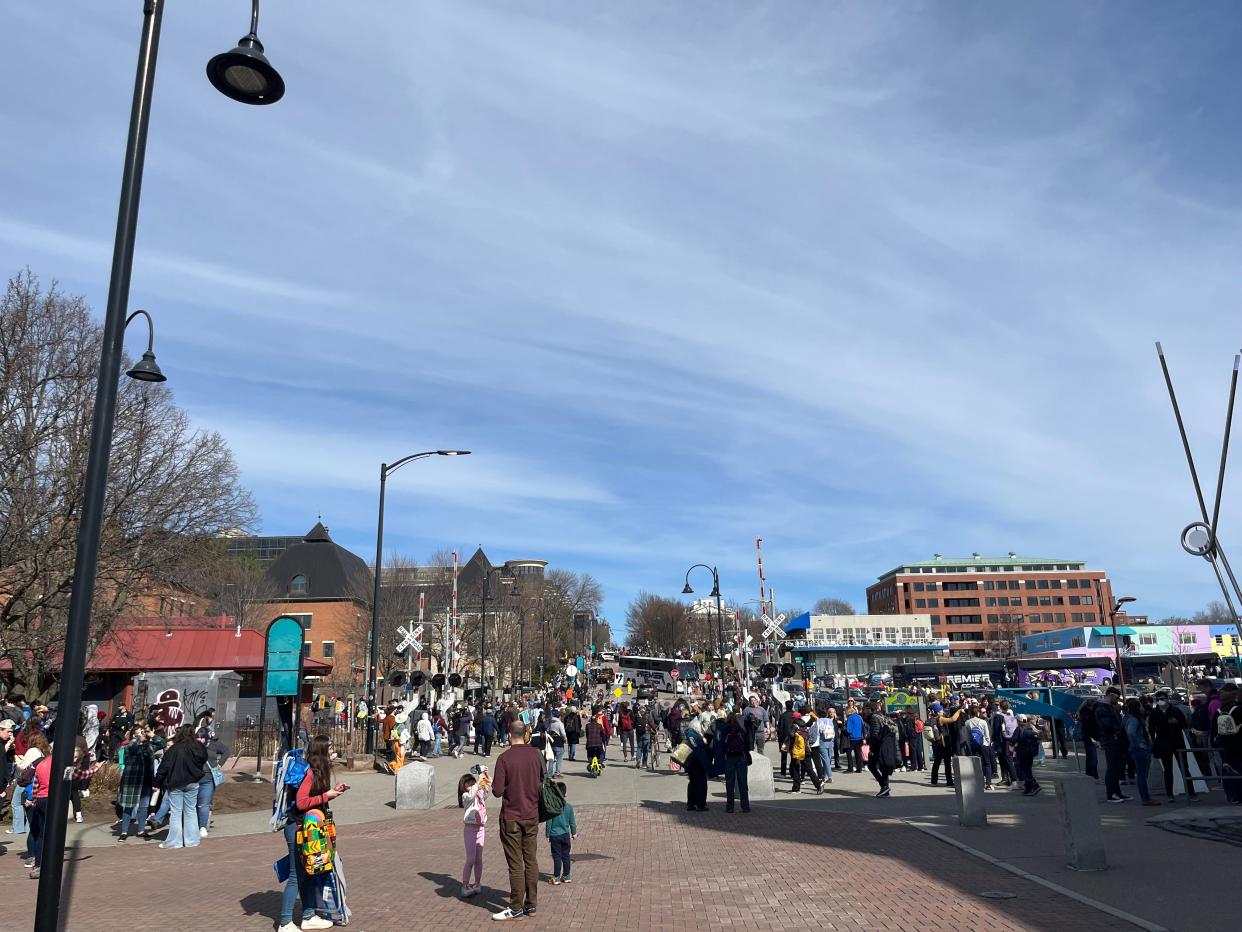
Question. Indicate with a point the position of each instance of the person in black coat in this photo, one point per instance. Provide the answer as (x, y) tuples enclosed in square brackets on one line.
[(1167, 726)]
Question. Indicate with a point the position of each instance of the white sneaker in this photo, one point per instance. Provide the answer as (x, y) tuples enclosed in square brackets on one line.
[(202, 833), (317, 922), (507, 913), (77, 817), (288, 927)]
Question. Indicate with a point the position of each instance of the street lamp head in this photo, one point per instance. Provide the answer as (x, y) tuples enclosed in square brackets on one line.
[(452, 452), (715, 593), (146, 369), (1123, 600), (687, 590), (245, 75)]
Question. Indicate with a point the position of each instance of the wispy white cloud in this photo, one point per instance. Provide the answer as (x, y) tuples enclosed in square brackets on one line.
[(870, 281)]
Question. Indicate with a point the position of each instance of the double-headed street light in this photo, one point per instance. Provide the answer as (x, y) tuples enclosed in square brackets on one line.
[(373, 660), (235, 77), (715, 592)]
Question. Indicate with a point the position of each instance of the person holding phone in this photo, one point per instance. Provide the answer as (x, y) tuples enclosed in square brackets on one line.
[(315, 792)]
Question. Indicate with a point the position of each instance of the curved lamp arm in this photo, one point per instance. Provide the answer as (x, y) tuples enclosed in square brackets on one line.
[(150, 327), (388, 469)]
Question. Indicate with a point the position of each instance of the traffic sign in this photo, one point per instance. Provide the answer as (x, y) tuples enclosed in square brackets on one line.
[(674, 673), (774, 629), (571, 671)]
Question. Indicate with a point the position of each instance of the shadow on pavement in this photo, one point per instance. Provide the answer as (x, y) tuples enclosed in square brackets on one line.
[(266, 904), (449, 887), (851, 834)]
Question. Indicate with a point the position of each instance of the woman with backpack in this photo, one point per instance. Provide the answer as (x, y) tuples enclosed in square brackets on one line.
[(573, 731), (736, 762), (314, 792), (882, 737), (625, 725)]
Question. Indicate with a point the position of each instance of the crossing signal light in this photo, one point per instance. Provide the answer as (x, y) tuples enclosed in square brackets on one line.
[(397, 679), (438, 681), (787, 670), (418, 678), (454, 680), (769, 670)]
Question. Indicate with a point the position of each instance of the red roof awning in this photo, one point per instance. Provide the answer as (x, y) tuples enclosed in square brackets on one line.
[(148, 650)]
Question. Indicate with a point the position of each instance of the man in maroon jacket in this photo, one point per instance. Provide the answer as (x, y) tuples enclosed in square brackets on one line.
[(518, 778)]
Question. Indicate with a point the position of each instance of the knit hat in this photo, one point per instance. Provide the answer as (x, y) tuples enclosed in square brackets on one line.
[(936, 706)]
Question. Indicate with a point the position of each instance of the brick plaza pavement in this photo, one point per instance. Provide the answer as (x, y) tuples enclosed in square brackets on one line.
[(652, 866)]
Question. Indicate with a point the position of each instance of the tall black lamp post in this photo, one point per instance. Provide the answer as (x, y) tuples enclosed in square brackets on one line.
[(250, 85), (715, 592), (485, 593), (373, 659)]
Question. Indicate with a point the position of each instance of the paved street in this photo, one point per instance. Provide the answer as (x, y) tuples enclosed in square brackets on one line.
[(840, 861), (652, 866)]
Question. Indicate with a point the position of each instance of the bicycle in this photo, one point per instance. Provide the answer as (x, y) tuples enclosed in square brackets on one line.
[(659, 745)]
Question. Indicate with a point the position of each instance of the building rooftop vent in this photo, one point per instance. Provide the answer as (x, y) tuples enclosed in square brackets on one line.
[(975, 555), (935, 556), (1012, 555)]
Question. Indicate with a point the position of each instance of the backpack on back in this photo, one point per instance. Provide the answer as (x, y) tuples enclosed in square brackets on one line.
[(627, 723), (976, 737), (797, 745), (551, 802), (735, 742), (1227, 722)]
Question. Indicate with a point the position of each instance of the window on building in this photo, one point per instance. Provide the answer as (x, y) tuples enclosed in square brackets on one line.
[(1056, 584), (329, 650), (1047, 618), (993, 620), (991, 601), (1060, 617), (1089, 617), (1058, 600), (1043, 584), (1030, 584), (1045, 600), (1075, 600), (1071, 584), (1220, 640), (933, 603), (1106, 640), (1088, 600), (988, 584), (1077, 617), (918, 587), (304, 619), (297, 585), (1076, 642), (1186, 637), (1147, 638), (960, 603), (1032, 600), (960, 586), (920, 603), (306, 648)]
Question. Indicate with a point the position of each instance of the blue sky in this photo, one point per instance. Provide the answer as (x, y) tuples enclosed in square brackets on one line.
[(870, 281)]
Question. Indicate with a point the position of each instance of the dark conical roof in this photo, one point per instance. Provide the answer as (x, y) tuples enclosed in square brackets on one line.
[(331, 571)]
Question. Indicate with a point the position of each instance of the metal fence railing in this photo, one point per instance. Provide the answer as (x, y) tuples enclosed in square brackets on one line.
[(342, 736)]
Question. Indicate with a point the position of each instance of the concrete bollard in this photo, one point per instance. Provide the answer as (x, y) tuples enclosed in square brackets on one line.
[(759, 781), (416, 786), (1080, 824), (971, 810)]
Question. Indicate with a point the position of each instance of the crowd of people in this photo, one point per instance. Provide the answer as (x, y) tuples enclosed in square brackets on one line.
[(163, 779)]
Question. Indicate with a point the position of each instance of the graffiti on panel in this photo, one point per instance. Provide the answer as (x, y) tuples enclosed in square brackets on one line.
[(174, 708)]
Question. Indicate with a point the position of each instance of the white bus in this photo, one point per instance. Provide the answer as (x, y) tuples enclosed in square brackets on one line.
[(656, 673)]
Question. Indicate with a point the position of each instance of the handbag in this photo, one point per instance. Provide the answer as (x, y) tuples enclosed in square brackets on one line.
[(682, 752), (217, 775)]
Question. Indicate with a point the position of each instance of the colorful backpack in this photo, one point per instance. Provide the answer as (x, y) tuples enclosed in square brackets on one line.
[(316, 842)]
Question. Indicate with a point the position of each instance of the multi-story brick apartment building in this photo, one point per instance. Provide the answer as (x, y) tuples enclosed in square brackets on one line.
[(983, 605)]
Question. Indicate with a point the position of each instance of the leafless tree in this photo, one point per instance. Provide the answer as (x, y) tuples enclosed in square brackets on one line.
[(170, 487), (833, 607), (232, 585)]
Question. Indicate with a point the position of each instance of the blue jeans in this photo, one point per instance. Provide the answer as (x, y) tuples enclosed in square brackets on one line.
[(735, 781), (825, 754), (161, 812), (137, 815), (206, 793), (299, 885), (38, 820), (560, 758), (573, 750), (644, 749), (183, 817), (19, 813)]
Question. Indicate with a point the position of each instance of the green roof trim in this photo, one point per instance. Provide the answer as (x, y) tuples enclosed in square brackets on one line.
[(951, 562)]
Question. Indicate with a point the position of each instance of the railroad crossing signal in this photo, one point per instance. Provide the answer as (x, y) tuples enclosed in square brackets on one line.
[(410, 639), (774, 629)]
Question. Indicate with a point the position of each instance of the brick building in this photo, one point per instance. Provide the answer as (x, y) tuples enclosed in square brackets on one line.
[(983, 605)]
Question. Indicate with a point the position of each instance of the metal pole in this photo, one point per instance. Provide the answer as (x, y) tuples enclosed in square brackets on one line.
[(47, 909), (373, 659), (483, 635), (719, 631), (1121, 675), (543, 657)]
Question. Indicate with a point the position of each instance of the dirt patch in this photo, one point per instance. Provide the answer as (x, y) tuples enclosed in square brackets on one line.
[(237, 794)]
